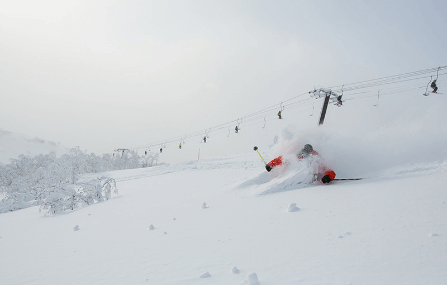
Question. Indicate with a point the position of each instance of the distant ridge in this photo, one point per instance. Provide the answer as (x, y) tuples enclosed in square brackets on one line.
[(12, 145)]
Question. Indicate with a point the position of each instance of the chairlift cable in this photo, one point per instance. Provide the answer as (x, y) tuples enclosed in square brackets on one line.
[(394, 79)]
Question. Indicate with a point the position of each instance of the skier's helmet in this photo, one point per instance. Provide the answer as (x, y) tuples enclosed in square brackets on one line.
[(308, 149)]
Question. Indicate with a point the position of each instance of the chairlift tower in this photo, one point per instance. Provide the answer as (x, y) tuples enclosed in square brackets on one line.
[(328, 95), (122, 150)]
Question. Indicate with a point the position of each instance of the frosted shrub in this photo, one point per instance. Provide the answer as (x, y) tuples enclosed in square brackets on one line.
[(93, 191), (54, 183)]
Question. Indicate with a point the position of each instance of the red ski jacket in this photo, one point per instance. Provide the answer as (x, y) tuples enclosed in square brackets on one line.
[(275, 162), (329, 172), (326, 171)]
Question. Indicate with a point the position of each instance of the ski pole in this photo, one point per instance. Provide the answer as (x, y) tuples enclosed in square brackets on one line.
[(256, 148), (342, 179)]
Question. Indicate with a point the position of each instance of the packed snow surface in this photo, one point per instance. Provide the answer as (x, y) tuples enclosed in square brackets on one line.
[(386, 229)]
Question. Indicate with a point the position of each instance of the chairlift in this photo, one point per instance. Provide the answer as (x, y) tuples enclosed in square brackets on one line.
[(433, 84), (281, 108), (236, 129), (378, 96), (339, 98), (426, 89)]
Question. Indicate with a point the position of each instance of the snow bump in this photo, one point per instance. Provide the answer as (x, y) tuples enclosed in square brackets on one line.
[(344, 235), (205, 275), (293, 208), (253, 279)]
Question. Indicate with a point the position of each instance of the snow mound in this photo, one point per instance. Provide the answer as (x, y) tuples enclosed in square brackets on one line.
[(293, 208), (253, 279), (205, 275)]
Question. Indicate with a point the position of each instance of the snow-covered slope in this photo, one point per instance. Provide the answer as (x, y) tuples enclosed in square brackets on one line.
[(217, 217), (199, 222), (12, 145)]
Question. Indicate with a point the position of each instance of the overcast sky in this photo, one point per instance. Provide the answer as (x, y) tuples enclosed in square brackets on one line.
[(110, 74)]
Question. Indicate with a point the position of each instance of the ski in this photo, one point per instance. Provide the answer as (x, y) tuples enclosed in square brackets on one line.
[(428, 93), (343, 179)]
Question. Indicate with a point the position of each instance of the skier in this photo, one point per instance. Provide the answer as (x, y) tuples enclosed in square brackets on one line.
[(161, 149), (306, 152), (145, 152), (236, 129), (433, 85), (204, 139), (323, 173), (327, 174), (180, 145), (279, 115)]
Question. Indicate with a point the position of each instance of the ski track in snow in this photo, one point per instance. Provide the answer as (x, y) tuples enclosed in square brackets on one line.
[(278, 180)]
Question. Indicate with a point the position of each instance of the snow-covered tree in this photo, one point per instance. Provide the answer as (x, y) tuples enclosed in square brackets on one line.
[(56, 183), (70, 198), (149, 159)]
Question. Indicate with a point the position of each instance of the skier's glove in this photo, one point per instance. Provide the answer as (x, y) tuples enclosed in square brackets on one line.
[(326, 179), (268, 167)]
